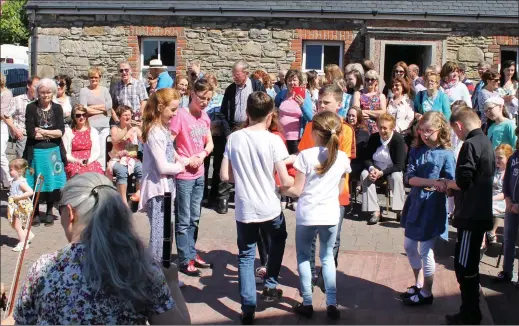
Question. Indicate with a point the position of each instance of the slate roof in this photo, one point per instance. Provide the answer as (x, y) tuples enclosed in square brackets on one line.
[(507, 8)]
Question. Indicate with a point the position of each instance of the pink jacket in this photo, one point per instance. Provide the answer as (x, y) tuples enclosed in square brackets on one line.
[(155, 167)]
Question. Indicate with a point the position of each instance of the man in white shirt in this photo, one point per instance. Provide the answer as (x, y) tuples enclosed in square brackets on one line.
[(251, 156), (414, 73)]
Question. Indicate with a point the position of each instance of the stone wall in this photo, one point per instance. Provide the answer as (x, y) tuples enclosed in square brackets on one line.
[(71, 44), (470, 50), (79, 48)]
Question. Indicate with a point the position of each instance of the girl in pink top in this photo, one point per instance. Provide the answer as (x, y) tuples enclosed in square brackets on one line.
[(191, 129)]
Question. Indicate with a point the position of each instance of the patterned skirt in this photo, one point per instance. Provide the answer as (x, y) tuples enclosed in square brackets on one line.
[(21, 209), (48, 163)]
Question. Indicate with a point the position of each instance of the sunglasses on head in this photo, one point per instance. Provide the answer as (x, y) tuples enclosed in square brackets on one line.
[(80, 115), (124, 70)]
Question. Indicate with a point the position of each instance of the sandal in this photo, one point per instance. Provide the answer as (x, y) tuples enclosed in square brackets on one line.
[(135, 197)]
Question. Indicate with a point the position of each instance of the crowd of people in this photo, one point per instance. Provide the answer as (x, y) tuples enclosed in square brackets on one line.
[(275, 141)]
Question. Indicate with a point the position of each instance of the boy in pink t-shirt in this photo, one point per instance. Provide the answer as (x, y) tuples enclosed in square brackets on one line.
[(191, 131)]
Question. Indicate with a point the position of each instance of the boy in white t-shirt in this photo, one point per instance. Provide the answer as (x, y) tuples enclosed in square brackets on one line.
[(251, 156)]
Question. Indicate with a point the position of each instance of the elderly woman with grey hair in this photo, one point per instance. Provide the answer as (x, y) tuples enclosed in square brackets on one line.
[(44, 149), (105, 275)]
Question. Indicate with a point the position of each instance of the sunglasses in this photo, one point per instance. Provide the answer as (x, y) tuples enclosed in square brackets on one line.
[(370, 79), (80, 115), (496, 80), (399, 71), (60, 84), (124, 70)]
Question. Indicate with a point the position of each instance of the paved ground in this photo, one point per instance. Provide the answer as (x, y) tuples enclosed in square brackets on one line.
[(372, 268)]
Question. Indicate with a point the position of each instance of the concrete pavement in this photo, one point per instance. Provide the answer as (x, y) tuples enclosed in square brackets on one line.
[(372, 270)]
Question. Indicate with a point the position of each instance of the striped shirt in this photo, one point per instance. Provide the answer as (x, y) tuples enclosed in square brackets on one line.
[(131, 94), (17, 109)]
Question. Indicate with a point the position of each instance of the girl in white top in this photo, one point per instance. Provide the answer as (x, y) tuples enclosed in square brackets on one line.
[(321, 173)]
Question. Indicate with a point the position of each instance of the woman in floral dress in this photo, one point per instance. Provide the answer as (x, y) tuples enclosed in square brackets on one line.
[(89, 281), (371, 101), (81, 144)]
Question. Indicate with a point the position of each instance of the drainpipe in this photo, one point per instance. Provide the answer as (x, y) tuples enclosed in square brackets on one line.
[(34, 44)]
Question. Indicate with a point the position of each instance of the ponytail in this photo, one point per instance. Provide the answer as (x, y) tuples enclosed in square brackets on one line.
[(328, 126), (333, 147)]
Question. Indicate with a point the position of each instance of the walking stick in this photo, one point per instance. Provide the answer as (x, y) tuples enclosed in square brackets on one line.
[(14, 285), (167, 241)]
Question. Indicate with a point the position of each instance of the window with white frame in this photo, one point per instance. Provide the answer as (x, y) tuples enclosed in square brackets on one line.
[(163, 49), (318, 54)]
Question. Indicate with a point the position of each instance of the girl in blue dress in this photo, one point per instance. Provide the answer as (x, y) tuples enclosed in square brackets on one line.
[(424, 216)]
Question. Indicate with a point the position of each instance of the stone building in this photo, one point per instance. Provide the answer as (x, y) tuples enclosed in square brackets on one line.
[(270, 35)]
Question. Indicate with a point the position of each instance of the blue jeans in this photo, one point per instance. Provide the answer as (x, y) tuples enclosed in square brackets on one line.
[(248, 235), (187, 217), (121, 172), (511, 229), (304, 239), (336, 246)]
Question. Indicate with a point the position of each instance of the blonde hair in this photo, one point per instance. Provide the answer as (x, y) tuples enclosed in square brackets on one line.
[(328, 126), (21, 165), (332, 72), (505, 149), (437, 120), (95, 71), (152, 114), (386, 117), (2, 80)]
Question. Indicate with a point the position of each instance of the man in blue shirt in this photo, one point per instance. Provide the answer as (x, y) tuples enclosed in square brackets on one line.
[(157, 70)]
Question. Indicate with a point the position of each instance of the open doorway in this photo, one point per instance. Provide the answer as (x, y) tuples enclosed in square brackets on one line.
[(420, 55)]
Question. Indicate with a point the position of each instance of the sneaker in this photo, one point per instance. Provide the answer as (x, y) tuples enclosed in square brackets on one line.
[(332, 311), (49, 220), (19, 247), (412, 290), (189, 269), (247, 318), (491, 238), (305, 311), (260, 274), (271, 295), (503, 277), (31, 236), (418, 300), (200, 263), (374, 219)]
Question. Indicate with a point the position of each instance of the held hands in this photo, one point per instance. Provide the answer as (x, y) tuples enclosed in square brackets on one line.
[(375, 174), (196, 161)]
